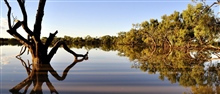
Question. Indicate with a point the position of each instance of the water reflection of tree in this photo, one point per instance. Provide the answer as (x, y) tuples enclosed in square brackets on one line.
[(40, 75), (182, 66)]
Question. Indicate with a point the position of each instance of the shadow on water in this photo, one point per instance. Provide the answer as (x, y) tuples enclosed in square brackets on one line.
[(198, 69), (38, 74)]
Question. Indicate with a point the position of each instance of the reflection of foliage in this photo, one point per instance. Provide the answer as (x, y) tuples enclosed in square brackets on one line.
[(179, 65), (205, 90), (133, 52)]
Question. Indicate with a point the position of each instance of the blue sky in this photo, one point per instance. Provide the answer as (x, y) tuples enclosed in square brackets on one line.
[(93, 17)]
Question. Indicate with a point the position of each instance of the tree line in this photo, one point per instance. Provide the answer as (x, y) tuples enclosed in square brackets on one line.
[(191, 27), (195, 26), (9, 41)]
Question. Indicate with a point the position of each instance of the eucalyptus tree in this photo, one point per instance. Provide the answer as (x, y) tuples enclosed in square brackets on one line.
[(120, 38), (195, 25)]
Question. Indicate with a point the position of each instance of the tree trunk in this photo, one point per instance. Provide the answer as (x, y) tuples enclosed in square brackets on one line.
[(39, 51)]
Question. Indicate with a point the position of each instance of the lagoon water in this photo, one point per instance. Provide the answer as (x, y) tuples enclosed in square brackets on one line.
[(103, 73)]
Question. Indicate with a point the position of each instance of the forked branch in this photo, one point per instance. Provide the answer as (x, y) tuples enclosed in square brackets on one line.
[(23, 10), (20, 38), (13, 30), (24, 23), (25, 19)]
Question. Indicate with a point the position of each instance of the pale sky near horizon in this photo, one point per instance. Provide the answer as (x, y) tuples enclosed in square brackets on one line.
[(92, 17)]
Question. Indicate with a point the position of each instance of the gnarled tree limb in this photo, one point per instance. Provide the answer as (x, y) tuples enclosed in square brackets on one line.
[(19, 37), (13, 30)]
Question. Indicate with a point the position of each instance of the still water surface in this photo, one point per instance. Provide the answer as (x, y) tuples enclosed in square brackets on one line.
[(103, 73)]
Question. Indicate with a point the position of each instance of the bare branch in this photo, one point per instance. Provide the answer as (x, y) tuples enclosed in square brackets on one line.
[(50, 39), (23, 10), (12, 30), (207, 8), (9, 14), (19, 37), (17, 25), (24, 22), (38, 21), (14, 19)]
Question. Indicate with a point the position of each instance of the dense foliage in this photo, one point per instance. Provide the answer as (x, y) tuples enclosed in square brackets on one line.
[(190, 28), (194, 68)]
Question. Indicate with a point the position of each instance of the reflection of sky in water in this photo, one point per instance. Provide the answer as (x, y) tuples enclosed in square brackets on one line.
[(6, 54), (5, 59), (103, 73)]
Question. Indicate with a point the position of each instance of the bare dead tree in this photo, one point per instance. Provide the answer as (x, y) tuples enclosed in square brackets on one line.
[(38, 50)]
